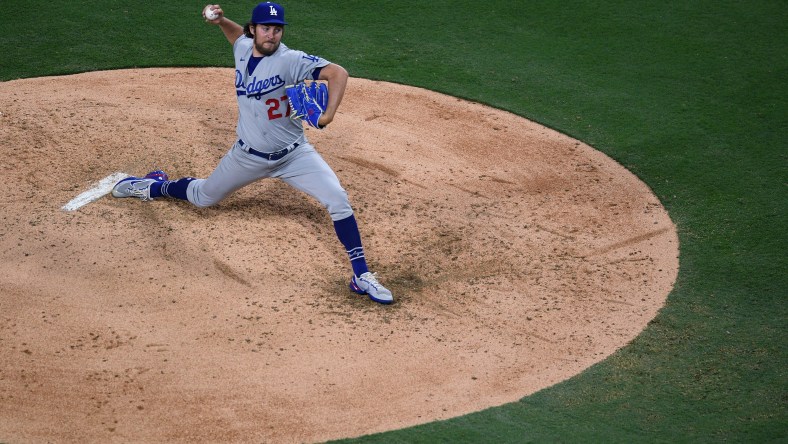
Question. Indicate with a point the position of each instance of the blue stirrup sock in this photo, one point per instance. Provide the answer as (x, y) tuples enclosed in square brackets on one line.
[(171, 188), (348, 234)]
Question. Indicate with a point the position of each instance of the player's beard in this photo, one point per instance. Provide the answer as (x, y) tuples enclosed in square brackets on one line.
[(266, 50)]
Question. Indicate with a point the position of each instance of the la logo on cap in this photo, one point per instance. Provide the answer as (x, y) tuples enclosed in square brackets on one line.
[(268, 13)]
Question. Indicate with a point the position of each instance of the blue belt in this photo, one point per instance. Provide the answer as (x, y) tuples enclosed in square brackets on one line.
[(270, 156)]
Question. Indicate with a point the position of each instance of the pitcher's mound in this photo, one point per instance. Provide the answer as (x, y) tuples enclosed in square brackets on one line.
[(518, 257)]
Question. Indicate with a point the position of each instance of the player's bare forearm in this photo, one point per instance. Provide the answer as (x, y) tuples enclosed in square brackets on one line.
[(336, 76), (233, 31), (230, 29)]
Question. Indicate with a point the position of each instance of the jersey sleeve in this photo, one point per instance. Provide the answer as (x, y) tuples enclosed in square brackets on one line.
[(304, 65), (241, 45)]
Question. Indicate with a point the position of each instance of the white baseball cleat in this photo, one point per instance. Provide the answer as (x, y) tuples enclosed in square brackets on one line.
[(133, 187), (368, 284)]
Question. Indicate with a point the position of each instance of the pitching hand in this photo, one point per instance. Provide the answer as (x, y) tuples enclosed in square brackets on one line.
[(212, 14)]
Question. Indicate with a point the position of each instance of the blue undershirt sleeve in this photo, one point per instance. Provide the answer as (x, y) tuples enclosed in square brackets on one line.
[(316, 73)]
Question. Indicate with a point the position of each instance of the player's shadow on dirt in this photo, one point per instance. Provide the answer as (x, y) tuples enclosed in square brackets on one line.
[(267, 207), (268, 199)]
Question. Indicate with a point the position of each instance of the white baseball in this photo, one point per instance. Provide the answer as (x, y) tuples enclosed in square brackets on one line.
[(209, 13)]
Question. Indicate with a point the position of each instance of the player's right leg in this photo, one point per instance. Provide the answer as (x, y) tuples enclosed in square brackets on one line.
[(234, 171)]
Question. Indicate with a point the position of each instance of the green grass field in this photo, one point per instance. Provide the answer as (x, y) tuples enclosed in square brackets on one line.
[(690, 96)]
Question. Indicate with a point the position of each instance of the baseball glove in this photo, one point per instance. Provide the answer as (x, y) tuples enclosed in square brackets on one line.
[(308, 102)]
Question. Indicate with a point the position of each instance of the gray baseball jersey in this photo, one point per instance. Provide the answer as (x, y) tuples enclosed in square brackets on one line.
[(264, 125), (263, 109)]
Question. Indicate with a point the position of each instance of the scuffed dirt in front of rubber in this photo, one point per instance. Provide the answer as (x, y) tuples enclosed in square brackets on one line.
[(518, 257)]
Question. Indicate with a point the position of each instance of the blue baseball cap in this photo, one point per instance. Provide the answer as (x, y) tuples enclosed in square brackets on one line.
[(268, 13)]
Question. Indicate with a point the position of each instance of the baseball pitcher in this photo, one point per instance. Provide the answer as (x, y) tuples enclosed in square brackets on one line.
[(274, 100)]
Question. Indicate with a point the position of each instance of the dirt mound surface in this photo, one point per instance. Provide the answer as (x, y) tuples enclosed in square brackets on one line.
[(518, 256)]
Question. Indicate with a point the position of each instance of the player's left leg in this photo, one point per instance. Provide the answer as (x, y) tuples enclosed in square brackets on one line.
[(308, 172)]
